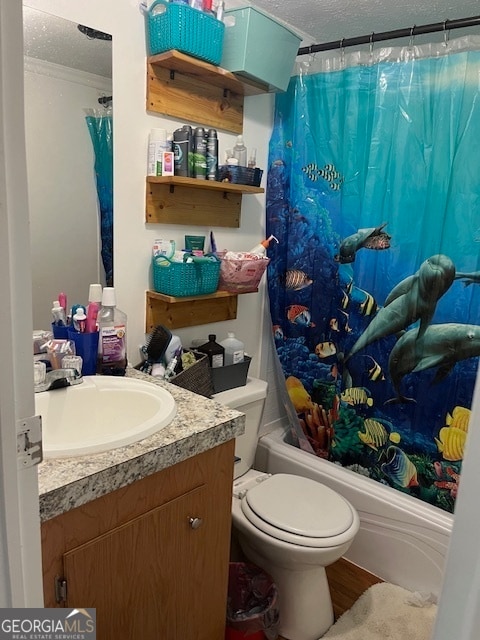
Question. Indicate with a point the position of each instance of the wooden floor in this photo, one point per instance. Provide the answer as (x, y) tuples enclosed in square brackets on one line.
[(347, 583)]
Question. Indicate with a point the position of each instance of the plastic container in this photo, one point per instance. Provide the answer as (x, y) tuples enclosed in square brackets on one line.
[(252, 603), (234, 349), (214, 351), (251, 36), (112, 336)]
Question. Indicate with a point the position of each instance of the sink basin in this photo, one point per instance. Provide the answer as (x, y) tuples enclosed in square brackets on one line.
[(100, 414)]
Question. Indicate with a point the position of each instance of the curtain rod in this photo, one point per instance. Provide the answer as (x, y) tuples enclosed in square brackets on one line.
[(445, 26)]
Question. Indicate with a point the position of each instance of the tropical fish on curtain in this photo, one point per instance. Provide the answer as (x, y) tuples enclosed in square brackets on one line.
[(373, 193), (99, 123)]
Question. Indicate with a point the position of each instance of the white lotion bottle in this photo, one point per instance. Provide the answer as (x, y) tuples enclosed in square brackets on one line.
[(157, 144), (234, 349)]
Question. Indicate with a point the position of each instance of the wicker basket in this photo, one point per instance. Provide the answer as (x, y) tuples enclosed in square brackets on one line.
[(180, 27), (197, 378), (240, 175), (182, 279)]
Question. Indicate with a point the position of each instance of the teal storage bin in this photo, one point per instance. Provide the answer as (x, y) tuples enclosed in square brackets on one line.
[(258, 47)]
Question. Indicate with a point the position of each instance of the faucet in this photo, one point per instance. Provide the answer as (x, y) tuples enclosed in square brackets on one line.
[(58, 379)]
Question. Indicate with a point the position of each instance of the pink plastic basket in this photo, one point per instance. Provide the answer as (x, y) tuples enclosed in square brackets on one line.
[(242, 275)]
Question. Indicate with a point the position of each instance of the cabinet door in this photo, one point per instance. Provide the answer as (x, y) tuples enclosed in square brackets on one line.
[(155, 577)]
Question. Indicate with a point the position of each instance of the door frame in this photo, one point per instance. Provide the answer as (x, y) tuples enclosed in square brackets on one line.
[(20, 547)]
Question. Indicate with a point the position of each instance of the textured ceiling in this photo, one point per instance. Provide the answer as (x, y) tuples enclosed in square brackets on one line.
[(58, 40), (327, 20)]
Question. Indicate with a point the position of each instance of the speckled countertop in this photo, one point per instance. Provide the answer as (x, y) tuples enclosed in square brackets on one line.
[(199, 425)]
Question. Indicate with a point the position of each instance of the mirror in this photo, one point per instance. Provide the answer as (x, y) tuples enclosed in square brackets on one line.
[(67, 72)]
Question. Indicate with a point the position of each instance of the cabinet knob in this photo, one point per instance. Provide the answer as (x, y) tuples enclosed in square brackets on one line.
[(195, 523)]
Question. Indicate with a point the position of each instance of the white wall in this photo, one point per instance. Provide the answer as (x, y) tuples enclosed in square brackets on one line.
[(63, 203), (133, 238)]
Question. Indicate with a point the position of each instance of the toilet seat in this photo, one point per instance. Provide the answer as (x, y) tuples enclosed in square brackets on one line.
[(299, 511)]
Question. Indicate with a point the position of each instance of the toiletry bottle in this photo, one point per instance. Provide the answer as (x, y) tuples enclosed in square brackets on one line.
[(220, 10), (173, 346), (180, 151), (200, 154), (80, 320), (214, 351), (157, 144), (252, 159), (212, 154), (240, 152), (93, 307), (261, 249), (59, 316), (112, 336), (234, 349)]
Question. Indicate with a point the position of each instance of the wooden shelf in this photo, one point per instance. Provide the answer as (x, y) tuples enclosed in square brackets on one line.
[(179, 200), (175, 313), (196, 91)]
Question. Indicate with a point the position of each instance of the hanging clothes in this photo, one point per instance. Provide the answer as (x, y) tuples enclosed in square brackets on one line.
[(374, 287), (99, 123)]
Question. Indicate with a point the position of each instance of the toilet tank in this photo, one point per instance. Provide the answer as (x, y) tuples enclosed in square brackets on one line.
[(250, 400)]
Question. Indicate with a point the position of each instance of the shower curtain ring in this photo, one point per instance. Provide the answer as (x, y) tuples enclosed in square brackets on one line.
[(342, 52), (446, 33), (371, 42), (412, 36)]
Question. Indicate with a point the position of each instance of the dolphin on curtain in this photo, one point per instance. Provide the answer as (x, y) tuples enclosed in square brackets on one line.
[(415, 298), (442, 346)]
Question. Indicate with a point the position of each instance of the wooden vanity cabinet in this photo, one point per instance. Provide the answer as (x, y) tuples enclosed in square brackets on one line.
[(152, 558)]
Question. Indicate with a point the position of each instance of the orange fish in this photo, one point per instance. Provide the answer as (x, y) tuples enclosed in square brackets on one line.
[(298, 314)]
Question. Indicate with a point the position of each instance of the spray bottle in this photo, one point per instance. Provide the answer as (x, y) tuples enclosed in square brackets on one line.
[(261, 249)]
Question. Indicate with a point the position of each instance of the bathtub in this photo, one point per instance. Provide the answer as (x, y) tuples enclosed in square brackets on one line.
[(401, 539)]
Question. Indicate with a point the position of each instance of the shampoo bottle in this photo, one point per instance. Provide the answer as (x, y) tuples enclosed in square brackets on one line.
[(112, 336), (214, 351), (261, 249), (234, 349)]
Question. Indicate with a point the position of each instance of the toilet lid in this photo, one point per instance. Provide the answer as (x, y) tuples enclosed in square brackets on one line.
[(299, 506)]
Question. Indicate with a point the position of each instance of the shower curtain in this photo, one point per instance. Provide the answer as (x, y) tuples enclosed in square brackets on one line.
[(374, 195), (99, 125)]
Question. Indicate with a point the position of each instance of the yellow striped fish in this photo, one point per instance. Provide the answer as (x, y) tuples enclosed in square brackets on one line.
[(459, 419), (451, 443), (376, 434), (357, 395)]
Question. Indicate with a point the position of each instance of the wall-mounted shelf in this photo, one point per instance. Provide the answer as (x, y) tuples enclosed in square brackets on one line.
[(196, 91), (179, 200), (190, 311)]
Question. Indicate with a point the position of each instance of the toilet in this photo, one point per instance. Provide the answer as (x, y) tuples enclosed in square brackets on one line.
[(290, 526)]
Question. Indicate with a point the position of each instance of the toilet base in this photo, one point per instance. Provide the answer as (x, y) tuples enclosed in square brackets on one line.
[(305, 605)]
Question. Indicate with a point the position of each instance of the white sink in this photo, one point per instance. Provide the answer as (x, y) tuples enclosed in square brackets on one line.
[(100, 414)]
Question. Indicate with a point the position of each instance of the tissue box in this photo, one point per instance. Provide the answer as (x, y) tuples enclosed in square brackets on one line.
[(258, 47)]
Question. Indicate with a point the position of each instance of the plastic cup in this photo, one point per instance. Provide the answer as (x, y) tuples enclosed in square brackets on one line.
[(86, 346)]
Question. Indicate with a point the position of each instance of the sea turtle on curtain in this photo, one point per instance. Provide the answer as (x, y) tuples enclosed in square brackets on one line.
[(369, 238)]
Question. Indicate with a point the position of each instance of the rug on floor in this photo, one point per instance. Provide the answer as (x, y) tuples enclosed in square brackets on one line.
[(386, 612)]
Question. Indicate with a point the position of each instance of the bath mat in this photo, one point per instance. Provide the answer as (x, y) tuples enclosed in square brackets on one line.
[(386, 612)]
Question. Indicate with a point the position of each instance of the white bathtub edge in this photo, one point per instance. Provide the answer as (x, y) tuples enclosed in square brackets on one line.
[(401, 539)]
